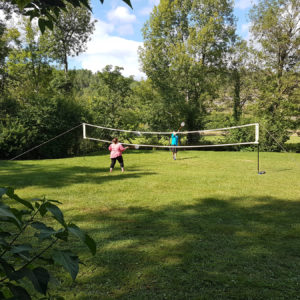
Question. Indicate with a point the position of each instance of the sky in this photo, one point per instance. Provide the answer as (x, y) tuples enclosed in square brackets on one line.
[(118, 36)]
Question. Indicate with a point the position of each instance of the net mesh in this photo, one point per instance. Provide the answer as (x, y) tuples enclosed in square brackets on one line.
[(230, 136)]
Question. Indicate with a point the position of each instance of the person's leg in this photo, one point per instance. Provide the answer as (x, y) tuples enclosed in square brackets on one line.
[(174, 153), (120, 160), (112, 165)]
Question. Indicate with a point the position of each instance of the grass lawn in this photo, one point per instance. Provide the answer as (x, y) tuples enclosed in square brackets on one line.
[(294, 139), (205, 226)]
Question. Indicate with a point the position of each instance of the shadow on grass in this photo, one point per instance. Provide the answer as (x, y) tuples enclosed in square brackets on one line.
[(56, 175), (184, 158), (236, 248)]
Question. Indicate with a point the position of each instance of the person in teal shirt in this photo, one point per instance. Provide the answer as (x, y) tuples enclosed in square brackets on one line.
[(174, 142)]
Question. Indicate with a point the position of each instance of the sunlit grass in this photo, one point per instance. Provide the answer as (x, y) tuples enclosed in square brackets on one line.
[(294, 139), (205, 226)]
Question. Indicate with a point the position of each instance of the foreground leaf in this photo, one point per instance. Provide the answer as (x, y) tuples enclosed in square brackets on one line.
[(68, 261), (18, 292), (56, 212), (84, 237), (10, 193)]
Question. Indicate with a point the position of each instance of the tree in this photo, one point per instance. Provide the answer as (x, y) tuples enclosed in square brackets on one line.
[(239, 83), (276, 29), (47, 12), (70, 34), (109, 102), (185, 52), (37, 104)]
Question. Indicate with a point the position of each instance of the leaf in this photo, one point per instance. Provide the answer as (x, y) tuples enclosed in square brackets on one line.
[(3, 243), (42, 24), (128, 3), (56, 11), (56, 212), (4, 234), (84, 237), (68, 260), (10, 193), (49, 24), (25, 248), (86, 4), (22, 3), (45, 231), (8, 269), (38, 276), (18, 292), (40, 279), (55, 201), (2, 192), (5, 211), (62, 234), (43, 209)]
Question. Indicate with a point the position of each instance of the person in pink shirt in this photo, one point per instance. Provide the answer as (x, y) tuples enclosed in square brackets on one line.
[(116, 149)]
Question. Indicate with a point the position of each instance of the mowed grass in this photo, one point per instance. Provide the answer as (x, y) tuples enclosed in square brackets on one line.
[(294, 139), (205, 226)]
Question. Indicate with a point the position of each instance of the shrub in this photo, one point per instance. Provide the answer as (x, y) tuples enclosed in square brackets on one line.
[(23, 259)]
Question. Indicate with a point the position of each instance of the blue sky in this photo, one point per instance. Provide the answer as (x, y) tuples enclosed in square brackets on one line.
[(118, 34)]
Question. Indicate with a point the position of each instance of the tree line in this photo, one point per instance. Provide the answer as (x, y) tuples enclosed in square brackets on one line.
[(198, 71)]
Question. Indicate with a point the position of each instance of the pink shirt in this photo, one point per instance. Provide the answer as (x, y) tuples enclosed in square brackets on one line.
[(115, 150)]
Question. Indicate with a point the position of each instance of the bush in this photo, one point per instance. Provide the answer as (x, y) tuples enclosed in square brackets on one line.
[(273, 135), (27, 245), (292, 147)]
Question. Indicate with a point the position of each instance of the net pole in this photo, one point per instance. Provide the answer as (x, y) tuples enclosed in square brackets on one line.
[(84, 130), (257, 158)]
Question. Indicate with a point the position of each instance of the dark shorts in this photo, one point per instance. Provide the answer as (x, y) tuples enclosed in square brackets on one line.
[(174, 149), (119, 159)]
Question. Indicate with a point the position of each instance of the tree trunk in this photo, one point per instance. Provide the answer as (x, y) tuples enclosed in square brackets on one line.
[(236, 96), (66, 63)]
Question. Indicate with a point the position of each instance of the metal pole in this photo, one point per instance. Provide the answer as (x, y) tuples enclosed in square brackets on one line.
[(257, 158), (84, 130)]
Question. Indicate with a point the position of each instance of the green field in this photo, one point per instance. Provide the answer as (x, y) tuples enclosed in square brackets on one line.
[(294, 139), (205, 226)]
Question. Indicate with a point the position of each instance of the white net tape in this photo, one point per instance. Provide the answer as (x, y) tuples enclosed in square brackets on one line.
[(220, 137)]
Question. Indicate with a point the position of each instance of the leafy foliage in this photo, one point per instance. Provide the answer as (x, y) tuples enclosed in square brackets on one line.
[(47, 12), (69, 35), (26, 243), (184, 54), (276, 29), (198, 71)]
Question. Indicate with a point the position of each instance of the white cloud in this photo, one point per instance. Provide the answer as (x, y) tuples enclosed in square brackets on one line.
[(122, 20), (245, 4), (126, 29), (148, 9), (106, 49), (245, 27), (154, 2), (121, 15), (102, 28), (245, 31)]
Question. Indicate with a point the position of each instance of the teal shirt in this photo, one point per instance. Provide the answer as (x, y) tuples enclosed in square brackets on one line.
[(174, 139)]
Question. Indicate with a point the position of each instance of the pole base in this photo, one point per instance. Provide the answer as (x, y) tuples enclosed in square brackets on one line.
[(261, 172)]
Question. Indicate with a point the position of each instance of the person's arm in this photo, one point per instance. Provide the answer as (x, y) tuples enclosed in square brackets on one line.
[(109, 148), (122, 149)]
